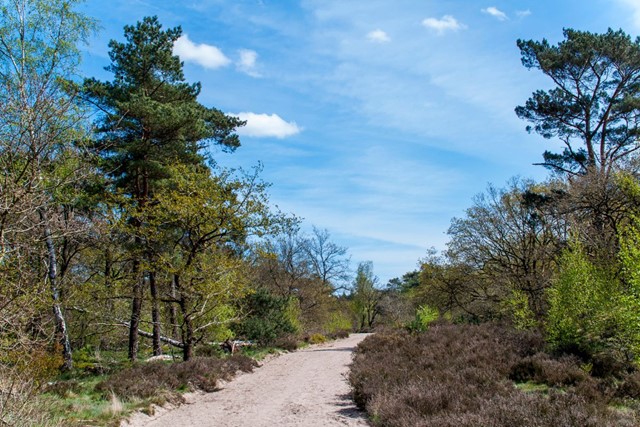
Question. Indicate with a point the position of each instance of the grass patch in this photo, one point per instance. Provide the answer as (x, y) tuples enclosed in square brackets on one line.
[(531, 387), (75, 402)]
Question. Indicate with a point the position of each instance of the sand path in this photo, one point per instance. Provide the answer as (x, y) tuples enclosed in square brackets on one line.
[(303, 388)]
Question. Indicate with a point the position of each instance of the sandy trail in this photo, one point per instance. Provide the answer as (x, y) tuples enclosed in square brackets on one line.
[(303, 388)]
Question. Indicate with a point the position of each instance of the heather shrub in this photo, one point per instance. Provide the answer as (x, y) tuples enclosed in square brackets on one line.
[(338, 334), (289, 343), (151, 379), (463, 375), (605, 365), (630, 387), (541, 368)]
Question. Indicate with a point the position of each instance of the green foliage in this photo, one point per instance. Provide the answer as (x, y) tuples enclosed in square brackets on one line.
[(629, 312), (594, 103), (152, 118), (585, 307), (317, 339), (269, 318), (338, 321), (425, 315), (518, 309), (366, 296)]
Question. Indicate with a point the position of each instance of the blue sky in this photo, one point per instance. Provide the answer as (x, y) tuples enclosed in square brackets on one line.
[(377, 120)]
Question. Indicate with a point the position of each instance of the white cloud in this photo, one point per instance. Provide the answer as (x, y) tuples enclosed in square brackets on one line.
[(266, 125), (247, 62), (523, 13), (205, 55), (378, 36), (496, 13), (446, 23)]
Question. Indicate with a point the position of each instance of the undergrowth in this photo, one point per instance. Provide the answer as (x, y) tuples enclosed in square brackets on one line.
[(87, 399), (104, 388), (484, 375)]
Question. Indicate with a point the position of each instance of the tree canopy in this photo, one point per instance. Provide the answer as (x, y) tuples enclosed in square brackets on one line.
[(594, 106)]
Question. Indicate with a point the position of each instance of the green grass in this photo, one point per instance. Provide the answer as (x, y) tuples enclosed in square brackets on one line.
[(259, 353), (532, 387), (75, 403)]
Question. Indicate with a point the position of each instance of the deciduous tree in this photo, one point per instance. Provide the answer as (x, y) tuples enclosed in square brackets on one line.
[(39, 162)]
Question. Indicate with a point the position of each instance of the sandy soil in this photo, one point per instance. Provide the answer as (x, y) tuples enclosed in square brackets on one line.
[(303, 388)]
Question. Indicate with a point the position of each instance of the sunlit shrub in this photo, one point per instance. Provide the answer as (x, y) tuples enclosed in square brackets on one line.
[(425, 315)]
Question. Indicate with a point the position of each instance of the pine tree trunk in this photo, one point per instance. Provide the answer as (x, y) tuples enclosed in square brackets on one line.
[(138, 285), (136, 310), (155, 314)]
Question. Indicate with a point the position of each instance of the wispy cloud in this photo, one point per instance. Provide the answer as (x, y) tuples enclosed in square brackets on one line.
[(205, 55), (247, 63), (634, 5), (266, 125), (496, 13), (523, 13), (378, 36), (446, 23)]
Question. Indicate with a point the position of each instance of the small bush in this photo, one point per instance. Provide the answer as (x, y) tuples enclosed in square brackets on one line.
[(630, 387), (425, 316), (339, 334), (338, 321), (20, 405), (542, 369), (151, 379), (209, 350), (62, 388), (605, 365), (289, 343), (316, 339)]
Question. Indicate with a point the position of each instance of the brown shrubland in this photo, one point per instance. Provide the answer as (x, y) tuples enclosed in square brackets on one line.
[(478, 375)]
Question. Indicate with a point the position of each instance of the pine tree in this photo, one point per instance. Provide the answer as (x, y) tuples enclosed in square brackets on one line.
[(150, 120)]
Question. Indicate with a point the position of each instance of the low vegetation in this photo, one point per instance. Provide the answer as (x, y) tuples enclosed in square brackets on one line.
[(474, 375), (106, 390), (104, 387)]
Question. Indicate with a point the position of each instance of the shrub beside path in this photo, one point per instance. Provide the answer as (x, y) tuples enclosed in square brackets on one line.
[(304, 388)]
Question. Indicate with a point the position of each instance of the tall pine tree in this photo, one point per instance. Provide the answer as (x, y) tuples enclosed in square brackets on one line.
[(150, 120)]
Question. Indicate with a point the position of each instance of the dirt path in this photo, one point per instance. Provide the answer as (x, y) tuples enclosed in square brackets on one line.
[(304, 388)]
